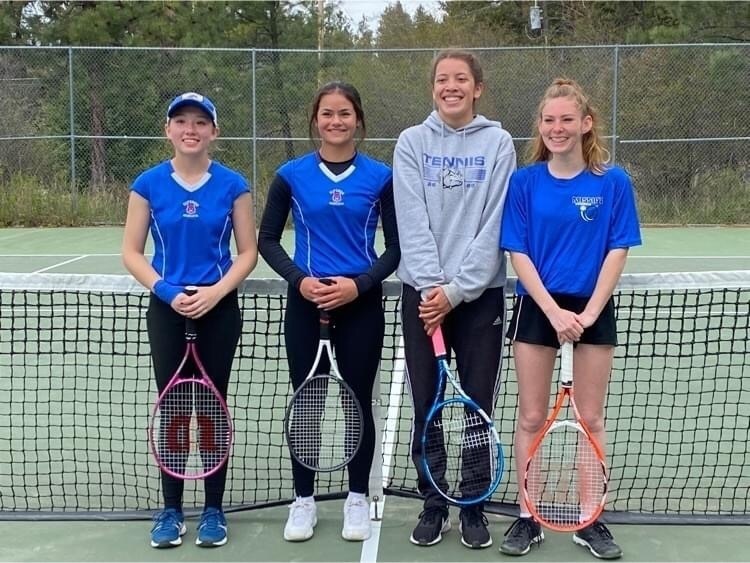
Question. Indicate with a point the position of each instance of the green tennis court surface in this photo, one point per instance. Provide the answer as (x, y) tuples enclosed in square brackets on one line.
[(73, 415)]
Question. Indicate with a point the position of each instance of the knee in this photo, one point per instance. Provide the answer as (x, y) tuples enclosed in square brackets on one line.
[(532, 422), (594, 421)]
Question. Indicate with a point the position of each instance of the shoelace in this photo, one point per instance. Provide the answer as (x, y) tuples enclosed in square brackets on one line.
[(300, 509), (475, 518), (212, 521), (355, 509), (601, 530), (431, 515), (165, 519), (521, 526)]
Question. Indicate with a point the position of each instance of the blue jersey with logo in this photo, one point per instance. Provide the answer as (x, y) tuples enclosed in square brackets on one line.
[(191, 226), (567, 226), (335, 216)]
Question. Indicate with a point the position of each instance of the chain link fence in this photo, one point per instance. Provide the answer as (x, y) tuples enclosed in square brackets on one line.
[(78, 124)]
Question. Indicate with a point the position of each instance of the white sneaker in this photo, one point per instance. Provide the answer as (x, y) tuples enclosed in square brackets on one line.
[(302, 519), (356, 520)]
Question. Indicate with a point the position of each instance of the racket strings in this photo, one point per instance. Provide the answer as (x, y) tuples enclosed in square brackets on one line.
[(324, 423), (565, 479), (191, 430), (459, 449)]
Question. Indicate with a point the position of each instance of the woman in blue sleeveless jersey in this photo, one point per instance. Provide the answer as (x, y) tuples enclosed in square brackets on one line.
[(335, 195), (192, 205), (568, 224)]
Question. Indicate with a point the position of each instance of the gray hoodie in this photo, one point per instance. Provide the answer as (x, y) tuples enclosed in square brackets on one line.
[(449, 188)]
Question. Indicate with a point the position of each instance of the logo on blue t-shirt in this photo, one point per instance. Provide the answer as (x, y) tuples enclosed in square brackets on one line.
[(588, 206), (337, 197), (191, 209)]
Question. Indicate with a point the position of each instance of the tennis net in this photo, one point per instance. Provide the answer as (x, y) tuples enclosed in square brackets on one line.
[(76, 389)]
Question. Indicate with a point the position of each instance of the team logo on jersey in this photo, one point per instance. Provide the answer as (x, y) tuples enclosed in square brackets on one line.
[(588, 206), (337, 197), (191, 209)]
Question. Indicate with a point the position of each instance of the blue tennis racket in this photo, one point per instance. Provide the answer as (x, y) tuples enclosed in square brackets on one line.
[(461, 451)]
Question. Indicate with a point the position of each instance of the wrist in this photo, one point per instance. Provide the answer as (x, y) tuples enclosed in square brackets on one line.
[(166, 291)]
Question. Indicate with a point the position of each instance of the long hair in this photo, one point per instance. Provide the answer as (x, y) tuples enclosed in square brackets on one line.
[(346, 90), (595, 155)]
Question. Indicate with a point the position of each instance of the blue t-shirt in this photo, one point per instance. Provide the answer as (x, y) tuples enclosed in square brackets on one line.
[(191, 225), (335, 216), (567, 226)]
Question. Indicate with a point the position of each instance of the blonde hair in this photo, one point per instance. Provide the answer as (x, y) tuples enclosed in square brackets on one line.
[(595, 155)]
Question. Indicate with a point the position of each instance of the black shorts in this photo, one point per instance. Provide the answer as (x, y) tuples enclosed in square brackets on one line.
[(529, 324)]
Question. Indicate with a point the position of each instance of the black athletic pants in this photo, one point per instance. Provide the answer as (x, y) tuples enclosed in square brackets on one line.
[(357, 330), (473, 332), (218, 335)]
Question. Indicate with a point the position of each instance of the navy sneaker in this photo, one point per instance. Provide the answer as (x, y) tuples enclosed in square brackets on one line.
[(169, 526), (212, 530), (599, 540)]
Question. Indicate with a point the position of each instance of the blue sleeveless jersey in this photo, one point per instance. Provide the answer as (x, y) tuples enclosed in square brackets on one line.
[(191, 226), (567, 227), (335, 216)]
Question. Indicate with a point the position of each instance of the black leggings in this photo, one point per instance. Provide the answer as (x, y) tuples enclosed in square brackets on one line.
[(474, 332), (357, 330), (218, 335)]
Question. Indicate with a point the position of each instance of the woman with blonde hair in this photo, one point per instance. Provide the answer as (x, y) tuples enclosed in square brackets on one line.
[(568, 223)]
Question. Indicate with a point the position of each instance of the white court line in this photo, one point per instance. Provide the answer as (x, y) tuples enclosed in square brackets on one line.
[(62, 263), (685, 257), (370, 546), (55, 255)]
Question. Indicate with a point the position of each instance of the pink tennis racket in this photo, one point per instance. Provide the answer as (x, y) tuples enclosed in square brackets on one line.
[(190, 432)]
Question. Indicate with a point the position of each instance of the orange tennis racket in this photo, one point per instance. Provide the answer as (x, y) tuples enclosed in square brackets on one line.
[(565, 482)]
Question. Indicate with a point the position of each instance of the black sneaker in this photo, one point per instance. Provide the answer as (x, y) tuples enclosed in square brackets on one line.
[(521, 535), (433, 522), (473, 527), (599, 540)]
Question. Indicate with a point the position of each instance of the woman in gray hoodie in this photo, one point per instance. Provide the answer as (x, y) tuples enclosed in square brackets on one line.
[(450, 177)]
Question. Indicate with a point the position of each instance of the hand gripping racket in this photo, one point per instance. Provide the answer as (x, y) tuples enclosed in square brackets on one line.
[(565, 482), (324, 422), (461, 451), (190, 432)]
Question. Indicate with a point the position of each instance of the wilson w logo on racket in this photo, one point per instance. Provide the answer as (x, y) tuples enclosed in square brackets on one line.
[(461, 451), (324, 423), (190, 432), (565, 482)]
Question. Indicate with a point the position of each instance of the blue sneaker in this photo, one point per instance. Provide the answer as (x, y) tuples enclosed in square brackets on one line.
[(169, 525), (212, 530)]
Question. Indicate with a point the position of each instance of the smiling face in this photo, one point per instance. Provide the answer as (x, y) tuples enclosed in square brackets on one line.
[(336, 121), (191, 131), (455, 91), (562, 127)]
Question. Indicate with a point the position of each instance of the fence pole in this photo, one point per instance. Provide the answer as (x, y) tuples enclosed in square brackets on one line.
[(255, 133), (615, 70), (73, 179)]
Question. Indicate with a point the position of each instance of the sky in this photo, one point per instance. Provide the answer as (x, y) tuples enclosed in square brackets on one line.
[(355, 9)]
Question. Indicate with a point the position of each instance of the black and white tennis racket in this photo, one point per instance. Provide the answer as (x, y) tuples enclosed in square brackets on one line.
[(461, 451), (324, 422), (190, 432)]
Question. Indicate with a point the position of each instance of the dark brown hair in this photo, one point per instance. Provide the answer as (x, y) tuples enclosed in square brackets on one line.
[(346, 90)]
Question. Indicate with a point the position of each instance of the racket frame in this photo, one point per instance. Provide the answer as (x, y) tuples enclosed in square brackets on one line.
[(324, 344), (446, 375), (552, 423), (191, 352)]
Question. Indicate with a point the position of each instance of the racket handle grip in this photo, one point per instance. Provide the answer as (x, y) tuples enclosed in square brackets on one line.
[(566, 364), (191, 330), (438, 342)]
